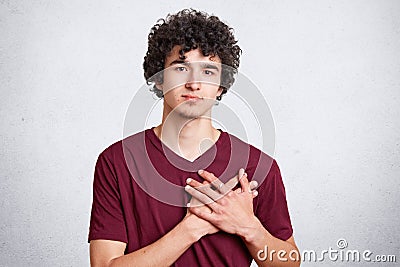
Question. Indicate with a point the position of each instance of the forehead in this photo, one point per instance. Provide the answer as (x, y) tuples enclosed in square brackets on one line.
[(191, 56)]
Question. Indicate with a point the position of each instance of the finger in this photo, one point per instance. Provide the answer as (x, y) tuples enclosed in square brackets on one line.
[(232, 183), (201, 213), (204, 188), (210, 177), (241, 172), (254, 193), (245, 183), (240, 175), (194, 202), (201, 197), (194, 183), (253, 185)]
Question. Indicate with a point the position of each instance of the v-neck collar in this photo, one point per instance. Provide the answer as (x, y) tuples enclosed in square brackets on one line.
[(202, 161)]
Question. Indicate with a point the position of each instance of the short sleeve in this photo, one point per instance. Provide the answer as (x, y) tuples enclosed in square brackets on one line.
[(271, 207), (107, 219)]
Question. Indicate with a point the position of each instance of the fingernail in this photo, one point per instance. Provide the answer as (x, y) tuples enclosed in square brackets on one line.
[(200, 171), (188, 180), (188, 205), (255, 193), (187, 187), (245, 174)]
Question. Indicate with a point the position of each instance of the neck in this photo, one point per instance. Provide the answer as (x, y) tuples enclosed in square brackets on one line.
[(187, 137)]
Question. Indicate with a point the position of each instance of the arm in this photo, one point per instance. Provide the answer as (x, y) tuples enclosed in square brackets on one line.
[(163, 252), (233, 213), (279, 252)]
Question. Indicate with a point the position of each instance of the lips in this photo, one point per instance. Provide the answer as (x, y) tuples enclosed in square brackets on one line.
[(189, 96)]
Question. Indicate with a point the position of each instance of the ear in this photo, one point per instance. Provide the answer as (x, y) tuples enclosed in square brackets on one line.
[(159, 86), (219, 92)]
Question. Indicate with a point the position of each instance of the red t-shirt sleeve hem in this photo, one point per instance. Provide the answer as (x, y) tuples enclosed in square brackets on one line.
[(284, 235), (106, 236)]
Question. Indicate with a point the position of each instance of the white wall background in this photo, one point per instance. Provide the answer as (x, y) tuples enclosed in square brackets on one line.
[(329, 69)]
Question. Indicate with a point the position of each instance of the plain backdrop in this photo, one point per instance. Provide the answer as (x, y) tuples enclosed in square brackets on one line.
[(330, 71)]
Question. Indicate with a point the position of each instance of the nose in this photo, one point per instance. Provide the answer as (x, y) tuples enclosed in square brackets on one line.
[(193, 82)]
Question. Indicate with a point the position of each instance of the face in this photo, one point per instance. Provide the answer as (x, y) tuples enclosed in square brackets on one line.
[(190, 86)]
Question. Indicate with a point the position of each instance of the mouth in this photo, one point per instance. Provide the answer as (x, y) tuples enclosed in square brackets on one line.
[(191, 97)]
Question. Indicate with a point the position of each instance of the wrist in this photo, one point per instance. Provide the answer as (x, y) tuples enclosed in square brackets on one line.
[(189, 227), (252, 230)]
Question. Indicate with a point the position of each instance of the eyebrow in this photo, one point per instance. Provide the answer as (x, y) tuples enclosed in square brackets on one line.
[(179, 62), (206, 65), (203, 65)]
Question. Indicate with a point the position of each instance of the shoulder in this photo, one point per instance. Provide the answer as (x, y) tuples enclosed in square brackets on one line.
[(116, 149)]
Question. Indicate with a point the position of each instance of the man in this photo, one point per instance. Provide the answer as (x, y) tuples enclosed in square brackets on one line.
[(179, 193)]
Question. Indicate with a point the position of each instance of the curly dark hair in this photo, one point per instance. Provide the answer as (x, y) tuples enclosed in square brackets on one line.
[(191, 29)]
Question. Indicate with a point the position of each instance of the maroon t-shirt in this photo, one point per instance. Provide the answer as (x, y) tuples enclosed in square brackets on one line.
[(138, 195)]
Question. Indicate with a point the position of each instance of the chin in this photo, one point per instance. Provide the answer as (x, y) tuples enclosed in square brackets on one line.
[(190, 113)]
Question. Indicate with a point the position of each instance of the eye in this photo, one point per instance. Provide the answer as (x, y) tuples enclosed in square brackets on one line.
[(180, 69), (208, 72)]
